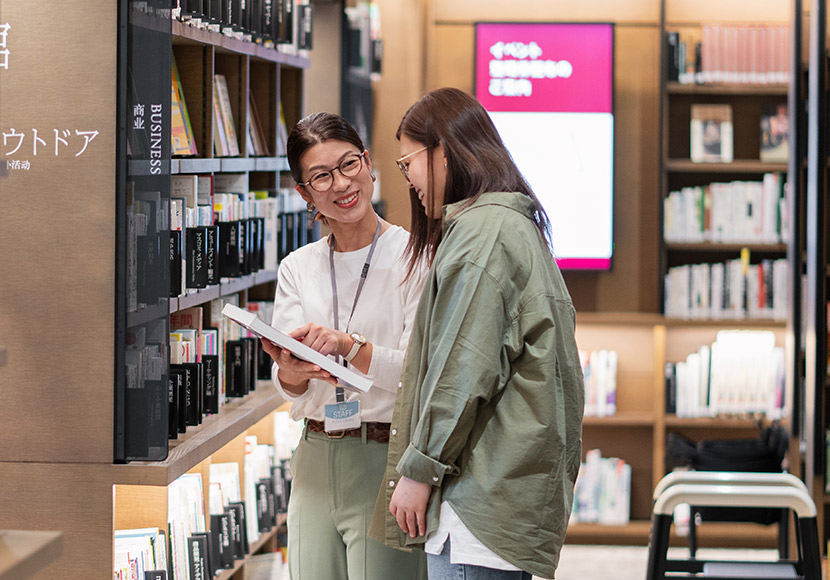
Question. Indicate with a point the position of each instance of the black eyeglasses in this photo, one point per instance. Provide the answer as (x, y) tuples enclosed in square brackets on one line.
[(404, 167), (348, 167)]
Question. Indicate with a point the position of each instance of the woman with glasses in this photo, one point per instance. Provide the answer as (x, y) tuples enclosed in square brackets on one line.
[(488, 421), (346, 296)]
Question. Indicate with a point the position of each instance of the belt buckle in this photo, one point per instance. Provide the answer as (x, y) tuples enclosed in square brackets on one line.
[(333, 436)]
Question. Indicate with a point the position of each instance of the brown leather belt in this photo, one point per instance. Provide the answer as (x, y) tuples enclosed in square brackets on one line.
[(374, 431)]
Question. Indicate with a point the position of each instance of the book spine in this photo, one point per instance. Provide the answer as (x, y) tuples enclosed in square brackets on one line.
[(196, 268), (211, 255), (175, 256)]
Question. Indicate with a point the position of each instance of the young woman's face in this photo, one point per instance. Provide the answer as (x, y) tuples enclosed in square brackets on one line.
[(343, 175), (415, 160)]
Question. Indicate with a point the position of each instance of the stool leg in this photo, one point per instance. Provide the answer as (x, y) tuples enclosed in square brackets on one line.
[(811, 563), (658, 546)]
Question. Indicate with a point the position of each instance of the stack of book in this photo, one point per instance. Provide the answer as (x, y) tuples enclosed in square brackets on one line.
[(731, 290), (284, 24), (603, 491), (743, 212), (741, 373), (599, 369), (729, 53)]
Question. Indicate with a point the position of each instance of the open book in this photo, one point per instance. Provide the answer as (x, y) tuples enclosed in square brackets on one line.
[(257, 326)]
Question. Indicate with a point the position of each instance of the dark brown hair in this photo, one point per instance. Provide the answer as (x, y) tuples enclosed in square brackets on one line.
[(477, 162), (313, 129)]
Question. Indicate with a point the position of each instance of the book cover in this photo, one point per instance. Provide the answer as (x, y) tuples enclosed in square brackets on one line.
[(220, 539), (260, 328), (226, 115), (181, 131), (155, 575), (230, 254), (236, 368), (220, 141), (211, 255), (711, 133), (196, 252), (239, 508), (197, 557), (175, 256), (775, 128), (304, 26), (175, 384)]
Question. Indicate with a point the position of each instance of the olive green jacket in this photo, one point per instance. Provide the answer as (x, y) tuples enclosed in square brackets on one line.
[(489, 409)]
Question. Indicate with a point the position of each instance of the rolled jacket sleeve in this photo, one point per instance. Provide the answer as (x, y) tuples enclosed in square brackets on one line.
[(465, 369)]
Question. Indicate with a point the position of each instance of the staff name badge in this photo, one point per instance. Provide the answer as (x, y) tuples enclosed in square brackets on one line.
[(341, 416)]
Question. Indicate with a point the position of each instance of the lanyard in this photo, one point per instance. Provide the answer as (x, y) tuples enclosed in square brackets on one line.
[(341, 394)]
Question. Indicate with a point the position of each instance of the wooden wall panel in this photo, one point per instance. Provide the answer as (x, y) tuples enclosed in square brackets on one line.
[(74, 499), (401, 84), (57, 240), (736, 11), (551, 10)]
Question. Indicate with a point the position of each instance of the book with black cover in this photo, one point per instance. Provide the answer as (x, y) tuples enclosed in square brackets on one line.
[(304, 28), (251, 350), (210, 377), (175, 383), (220, 535), (175, 255), (196, 251), (155, 575), (229, 249), (237, 547), (211, 255), (197, 557), (236, 368), (239, 508), (181, 415)]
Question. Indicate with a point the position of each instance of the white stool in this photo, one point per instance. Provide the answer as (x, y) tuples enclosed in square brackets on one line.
[(728, 489)]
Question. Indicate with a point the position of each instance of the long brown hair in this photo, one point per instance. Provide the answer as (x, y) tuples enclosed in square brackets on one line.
[(477, 163)]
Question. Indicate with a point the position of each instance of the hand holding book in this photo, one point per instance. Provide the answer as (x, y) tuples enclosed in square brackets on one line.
[(294, 373)]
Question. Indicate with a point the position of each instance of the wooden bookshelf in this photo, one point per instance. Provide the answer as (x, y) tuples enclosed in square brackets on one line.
[(638, 431), (58, 477)]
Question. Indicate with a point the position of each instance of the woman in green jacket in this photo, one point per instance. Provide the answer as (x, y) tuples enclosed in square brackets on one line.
[(486, 433)]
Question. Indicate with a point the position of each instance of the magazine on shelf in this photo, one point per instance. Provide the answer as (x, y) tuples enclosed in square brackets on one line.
[(257, 326)]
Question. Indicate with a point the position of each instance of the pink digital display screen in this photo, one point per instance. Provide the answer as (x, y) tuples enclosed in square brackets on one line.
[(549, 89)]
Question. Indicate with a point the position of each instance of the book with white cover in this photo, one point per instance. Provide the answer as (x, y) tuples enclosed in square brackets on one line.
[(260, 328)]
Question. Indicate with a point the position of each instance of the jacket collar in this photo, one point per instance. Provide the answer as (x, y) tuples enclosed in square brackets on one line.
[(513, 200)]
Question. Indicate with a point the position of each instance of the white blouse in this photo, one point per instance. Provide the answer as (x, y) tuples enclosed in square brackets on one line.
[(384, 315)]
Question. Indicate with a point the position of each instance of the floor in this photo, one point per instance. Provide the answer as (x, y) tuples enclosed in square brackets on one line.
[(629, 562)]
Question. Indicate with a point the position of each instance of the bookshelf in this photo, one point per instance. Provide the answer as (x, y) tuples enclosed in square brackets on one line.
[(638, 431), (64, 316)]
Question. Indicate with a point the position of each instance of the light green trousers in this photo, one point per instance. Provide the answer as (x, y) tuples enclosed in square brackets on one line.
[(336, 482)]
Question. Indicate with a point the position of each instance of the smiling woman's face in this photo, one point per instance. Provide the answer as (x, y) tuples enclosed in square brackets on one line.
[(348, 198), (417, 168)]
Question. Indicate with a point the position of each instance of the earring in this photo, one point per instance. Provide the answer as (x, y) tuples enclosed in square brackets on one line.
[(445, 164), (310, 207), (374, 177)]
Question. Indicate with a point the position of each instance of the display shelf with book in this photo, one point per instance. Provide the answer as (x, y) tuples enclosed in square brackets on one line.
[(637, 431), (90, 410), (724, 151)]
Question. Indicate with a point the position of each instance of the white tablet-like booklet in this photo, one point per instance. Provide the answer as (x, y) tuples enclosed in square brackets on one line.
[(260, 328)]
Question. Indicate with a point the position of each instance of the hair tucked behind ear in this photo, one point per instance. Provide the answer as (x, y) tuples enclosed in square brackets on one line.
[(477, 162)]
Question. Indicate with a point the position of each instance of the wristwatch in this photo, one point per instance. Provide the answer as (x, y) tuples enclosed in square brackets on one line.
[(358, 342)]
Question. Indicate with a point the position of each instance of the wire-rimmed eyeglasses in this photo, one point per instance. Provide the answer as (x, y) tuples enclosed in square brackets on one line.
[(405, 167)]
